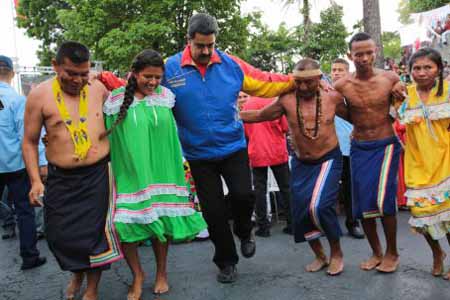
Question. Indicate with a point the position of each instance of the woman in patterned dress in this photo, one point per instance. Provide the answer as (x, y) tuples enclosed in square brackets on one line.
[(152, 196), (426, 114)]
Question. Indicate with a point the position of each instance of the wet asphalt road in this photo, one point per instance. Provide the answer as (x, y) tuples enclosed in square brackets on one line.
[(276, 272)]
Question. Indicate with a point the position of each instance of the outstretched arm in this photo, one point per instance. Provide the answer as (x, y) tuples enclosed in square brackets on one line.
[(399, 91), (263, 84), (341, 106), (271, 112)]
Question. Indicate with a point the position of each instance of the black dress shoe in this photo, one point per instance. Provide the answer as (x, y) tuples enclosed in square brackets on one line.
[(227, 274), (263, 232), (355, 231), (34, 263), (10, 233), (248, 247)]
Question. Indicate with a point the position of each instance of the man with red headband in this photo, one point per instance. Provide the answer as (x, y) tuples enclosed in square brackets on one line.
[(317, 166)]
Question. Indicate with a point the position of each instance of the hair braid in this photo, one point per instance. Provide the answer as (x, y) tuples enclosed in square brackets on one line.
[(127, 100)]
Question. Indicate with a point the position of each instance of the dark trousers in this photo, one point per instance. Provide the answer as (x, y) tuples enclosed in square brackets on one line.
[(346, 191), (281, 174), (7, 209), (18, 185), (236, 173)]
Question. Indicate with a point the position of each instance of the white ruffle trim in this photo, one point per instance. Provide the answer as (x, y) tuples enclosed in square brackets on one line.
[(436, 112), (438, 192), (151, 191), (151, 215), (431, 220), (113, 103), (437, 226)]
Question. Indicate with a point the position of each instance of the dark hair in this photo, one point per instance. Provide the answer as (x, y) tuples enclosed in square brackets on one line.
[(341, 61), (202, 23), (359, 37), (74, 51), (147, 58), (435, 57), (306, 64)]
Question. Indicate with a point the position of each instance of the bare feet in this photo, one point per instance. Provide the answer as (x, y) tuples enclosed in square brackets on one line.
[(336, 266), (447, 276), (135, 290), (89, 297), (371, 263), (318, 264), (389, 263), (161, 284), (74, 286), (438, 264)]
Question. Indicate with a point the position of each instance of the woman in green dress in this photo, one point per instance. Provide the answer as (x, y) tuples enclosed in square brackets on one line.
[(151, 192)]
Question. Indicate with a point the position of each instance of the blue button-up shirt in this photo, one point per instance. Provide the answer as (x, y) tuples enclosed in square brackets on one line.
[(343, 131), (12, 109)]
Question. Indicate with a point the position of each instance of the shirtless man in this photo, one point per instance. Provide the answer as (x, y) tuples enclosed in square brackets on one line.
[(316, 170), (374, 152), (76, 200)]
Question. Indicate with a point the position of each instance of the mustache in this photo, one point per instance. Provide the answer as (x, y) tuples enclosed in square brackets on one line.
[(306, 93)]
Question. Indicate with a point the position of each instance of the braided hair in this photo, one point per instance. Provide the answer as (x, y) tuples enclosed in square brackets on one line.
[(435, 57), (147, 58)]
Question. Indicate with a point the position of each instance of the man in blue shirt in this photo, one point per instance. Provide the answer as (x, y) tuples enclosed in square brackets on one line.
[(339, 69), (12, 168)]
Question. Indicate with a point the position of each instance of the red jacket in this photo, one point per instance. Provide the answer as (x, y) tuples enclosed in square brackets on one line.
[(266, 140)]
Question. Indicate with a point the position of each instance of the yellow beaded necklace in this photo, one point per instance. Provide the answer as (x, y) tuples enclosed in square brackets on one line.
[(78, 133)]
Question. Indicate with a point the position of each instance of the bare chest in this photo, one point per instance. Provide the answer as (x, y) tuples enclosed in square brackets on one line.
[(310, 114), (368, 96), (54, 122)]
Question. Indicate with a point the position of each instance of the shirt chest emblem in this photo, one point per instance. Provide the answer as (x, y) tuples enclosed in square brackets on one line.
[(177, 82)]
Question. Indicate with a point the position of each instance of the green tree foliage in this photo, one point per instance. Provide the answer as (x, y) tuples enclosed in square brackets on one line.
[(39, 18), (267, 49), (391, 45), (327, 38), (279, 50), (116, 30), (407, 7)]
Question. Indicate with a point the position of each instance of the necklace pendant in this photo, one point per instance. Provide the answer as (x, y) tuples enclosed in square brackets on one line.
[(301, 122)]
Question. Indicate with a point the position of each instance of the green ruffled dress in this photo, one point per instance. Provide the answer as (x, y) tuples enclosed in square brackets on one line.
[(151, 191)]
